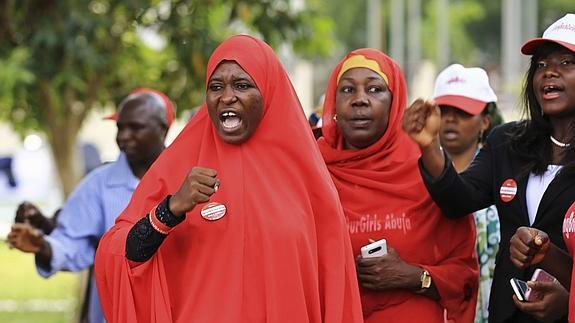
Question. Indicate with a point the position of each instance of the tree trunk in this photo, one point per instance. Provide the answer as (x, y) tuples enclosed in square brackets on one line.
[(66, 157), (63, 120)]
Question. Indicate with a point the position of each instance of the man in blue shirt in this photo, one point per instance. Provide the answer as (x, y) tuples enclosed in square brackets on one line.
[(143, 120)]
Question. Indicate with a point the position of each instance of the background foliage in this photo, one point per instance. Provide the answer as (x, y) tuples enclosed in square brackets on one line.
[(60, 59)]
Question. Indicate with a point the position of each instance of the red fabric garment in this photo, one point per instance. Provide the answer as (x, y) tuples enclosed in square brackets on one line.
[(280, 254), (383, 196), (569, 238)]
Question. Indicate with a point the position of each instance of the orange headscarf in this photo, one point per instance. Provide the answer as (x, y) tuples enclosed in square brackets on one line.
[(280, 254), (383, 196)]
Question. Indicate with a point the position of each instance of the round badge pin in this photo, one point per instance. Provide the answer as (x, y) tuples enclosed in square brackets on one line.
[(213, 211), (508, 190)]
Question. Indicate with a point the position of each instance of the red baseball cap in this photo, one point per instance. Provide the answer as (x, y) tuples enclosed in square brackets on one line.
[(170, 111)]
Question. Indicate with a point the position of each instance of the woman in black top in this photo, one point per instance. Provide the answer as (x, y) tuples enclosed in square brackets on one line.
[(513, 168)]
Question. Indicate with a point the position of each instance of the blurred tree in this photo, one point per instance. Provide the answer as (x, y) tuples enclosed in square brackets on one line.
[(194, 28), (485, 33), (475, 28), (549, 11), (62, 58), (462, 13), (351, 22)]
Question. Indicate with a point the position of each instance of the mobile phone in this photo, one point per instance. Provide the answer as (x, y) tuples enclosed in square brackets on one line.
[(542, 276), (520, 288), (374, 249)]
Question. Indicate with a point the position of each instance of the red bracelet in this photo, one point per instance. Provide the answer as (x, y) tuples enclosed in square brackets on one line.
[(157, 224)]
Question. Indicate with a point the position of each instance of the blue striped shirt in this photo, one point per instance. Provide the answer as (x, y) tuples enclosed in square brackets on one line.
[(89, 212)]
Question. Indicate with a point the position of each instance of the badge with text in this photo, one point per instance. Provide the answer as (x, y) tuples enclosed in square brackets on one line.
[(508, 190), (213, 211)]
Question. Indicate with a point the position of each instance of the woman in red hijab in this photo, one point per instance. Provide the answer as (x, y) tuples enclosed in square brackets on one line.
[(430, 271), (270, 246)]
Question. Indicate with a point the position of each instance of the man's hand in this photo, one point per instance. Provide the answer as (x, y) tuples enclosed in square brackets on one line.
[(29, 213), (26, 238)]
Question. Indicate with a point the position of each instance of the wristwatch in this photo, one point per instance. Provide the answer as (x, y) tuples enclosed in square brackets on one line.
[(425, 281)]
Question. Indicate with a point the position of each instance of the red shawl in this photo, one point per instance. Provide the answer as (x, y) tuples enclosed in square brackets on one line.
[(280, 254), (383, 196)]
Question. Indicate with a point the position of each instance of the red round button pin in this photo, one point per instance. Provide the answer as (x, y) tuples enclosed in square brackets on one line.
[(508, 190), (213, 211)]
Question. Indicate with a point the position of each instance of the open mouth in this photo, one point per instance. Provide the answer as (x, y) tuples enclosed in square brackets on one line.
[(230, 121), (551, 91)]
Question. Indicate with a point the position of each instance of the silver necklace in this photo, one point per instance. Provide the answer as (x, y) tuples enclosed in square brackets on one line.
[(559, 143)]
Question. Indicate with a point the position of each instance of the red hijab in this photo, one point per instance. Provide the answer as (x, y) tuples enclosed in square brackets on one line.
[(383, 196), (280, 254)]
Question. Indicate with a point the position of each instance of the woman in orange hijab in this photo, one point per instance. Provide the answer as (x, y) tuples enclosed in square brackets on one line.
[(270, 246), (429, 273)]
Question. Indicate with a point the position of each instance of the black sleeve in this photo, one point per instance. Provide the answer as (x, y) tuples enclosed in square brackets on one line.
[(143, 240), (461, 194)]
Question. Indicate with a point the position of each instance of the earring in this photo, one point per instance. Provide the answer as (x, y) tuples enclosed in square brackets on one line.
[(335, 117)]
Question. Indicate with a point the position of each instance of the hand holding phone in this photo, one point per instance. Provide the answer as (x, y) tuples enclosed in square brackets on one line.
[(374, 249), (542, 276), (520, 288)]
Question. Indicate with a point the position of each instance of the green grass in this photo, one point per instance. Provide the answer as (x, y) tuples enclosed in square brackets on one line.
[(27, 297), (33, 317)]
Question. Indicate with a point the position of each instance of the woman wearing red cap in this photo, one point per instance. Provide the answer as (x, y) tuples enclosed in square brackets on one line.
[(527, 169), (430, 270), (270, 246), (468, 111)]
